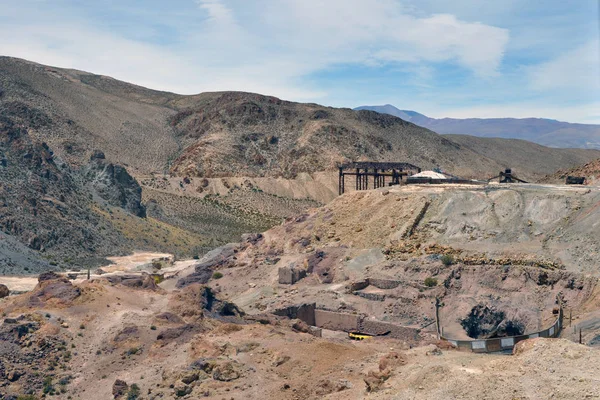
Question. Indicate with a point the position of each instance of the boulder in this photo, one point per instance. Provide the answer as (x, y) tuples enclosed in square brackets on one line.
[(175, 333), (201, 276), (143, 281), (203, 364), (181, 389), (47, 276), (4, 292), (54, 286), (119, 388), (169, 317), (226, 372)]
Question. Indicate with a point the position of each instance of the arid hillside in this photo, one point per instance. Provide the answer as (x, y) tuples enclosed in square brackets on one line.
[(152, 170), (218, 327), (590, 171), (515, 152), (231, 133)]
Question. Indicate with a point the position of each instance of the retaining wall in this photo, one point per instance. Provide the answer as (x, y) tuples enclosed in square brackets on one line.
[(345, 322), (304, 312), (371, 296), (505, 343), (377, 328), (383, 283), (378, 283), (336, 321)]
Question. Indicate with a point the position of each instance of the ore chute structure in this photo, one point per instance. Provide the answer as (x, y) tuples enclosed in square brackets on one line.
[(378, 170), (507, 176)]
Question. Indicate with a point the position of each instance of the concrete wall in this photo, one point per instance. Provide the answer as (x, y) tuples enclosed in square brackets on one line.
[(336, 321)]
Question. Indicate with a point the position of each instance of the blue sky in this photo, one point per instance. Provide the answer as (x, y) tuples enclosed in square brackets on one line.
[(509, 58)]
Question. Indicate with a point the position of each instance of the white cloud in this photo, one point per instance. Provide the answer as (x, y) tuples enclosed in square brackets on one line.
[(217, 11), (379, 31), (578, 69), (266, 46)]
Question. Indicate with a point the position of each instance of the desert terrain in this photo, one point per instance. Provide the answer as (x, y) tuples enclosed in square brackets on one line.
[(147, 326), (158, 246)]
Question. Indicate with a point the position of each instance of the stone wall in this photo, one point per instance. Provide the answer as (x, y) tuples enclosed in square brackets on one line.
[(358, 285), (304, 312), (345, 322), (371, 296), (291, 274), (384, 283)]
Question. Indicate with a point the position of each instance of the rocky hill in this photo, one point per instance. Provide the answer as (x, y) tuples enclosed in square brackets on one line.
[(547, 132), (159, 171), (221, 134), (590, 171), (44, 203)]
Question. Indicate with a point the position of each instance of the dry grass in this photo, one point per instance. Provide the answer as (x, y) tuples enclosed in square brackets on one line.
[(150, 233)]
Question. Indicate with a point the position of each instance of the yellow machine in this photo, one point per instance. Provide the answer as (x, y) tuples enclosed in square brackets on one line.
[(358, 336)]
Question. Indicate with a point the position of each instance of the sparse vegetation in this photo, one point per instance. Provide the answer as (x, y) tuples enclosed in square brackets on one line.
[(447, 259), (430, 282), (133, 351), (217, 275), (48, 386), (134, 392)]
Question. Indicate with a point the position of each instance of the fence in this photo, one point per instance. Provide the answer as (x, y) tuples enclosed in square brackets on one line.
[(505, 343)]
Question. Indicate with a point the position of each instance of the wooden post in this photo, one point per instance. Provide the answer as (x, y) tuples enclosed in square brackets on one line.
[(579, 335), (340, 184), (570, 316), (438, 329), (357, 179)]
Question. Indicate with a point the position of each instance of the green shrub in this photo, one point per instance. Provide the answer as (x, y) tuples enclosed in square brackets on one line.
[(134, 392), (430, 282), (217, 275), (447, 259)]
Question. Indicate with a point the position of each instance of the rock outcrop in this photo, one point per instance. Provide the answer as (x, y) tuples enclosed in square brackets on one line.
[(4, 292), (114, 184)]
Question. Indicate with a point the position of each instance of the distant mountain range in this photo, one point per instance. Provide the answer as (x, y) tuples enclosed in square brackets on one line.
[(547, 132)]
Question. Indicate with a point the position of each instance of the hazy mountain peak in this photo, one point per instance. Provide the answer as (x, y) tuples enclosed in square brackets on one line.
[(544, 131)]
